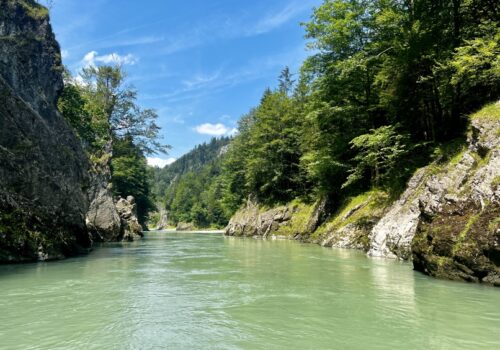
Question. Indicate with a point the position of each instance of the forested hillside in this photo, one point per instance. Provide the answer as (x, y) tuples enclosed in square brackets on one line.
[(387, 89), (190, 188)]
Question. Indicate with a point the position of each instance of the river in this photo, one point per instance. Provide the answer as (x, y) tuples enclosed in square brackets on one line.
[(205, 291)]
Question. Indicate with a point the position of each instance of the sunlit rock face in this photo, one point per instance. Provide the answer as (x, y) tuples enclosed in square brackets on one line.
[(43, 169), (127, 209), (447, 219)]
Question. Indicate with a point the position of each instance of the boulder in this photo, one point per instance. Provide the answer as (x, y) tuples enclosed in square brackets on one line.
[(185, 226), (131, 230)]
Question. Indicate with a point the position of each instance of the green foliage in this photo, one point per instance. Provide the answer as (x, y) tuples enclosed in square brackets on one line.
[(191, 188), (272, 169), (478, 61), (114, 108), (491, 111), (355, 210), (35, 10), (378, 152), (114, 130), (73, 107), (264, 159), (129, 171), (298, 224), (386, 79)]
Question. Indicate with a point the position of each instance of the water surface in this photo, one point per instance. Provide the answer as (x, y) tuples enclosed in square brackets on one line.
[(205, 291)]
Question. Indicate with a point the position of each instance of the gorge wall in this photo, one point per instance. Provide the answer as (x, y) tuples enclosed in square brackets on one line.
[(44, 171), (446, 221), (54, 202)]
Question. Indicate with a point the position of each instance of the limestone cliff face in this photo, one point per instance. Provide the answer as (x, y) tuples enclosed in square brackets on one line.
[(250, 221), (163, 222), (43, 169), (131, 230), (460, 238), (292, 221), (463, 187), (102, 218)]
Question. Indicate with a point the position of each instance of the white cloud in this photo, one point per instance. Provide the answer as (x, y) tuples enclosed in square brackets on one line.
[(159, 162), (218, 129), (144, 40), (93, 57), (201, 80), (64, 54), (276, 20)]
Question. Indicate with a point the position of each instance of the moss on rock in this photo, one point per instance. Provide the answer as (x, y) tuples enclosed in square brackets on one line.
[(462, 243)]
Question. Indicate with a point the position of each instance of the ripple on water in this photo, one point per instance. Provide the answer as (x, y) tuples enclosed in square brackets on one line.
[(192, 291)]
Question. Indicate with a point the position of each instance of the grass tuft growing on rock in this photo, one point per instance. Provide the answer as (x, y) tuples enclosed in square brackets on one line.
[(35, 10), (356, 210), (490, 112), (298, 224)]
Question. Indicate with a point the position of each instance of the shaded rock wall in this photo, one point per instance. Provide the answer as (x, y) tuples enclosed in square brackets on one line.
[(102, 218), (43, 169)]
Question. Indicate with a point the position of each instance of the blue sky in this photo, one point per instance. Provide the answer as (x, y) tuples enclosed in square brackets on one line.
[(201, 64)]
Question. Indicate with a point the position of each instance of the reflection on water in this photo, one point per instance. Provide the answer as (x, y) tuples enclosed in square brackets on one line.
[(205, 291)]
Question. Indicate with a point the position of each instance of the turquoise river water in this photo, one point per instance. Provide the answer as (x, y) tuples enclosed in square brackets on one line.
[(206, 291)]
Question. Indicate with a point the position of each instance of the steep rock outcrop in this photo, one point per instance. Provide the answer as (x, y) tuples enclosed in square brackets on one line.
[(465, 181), (163, 221), (131, 230), (295, 220), (43, 169), (102, 218), (461, 240)]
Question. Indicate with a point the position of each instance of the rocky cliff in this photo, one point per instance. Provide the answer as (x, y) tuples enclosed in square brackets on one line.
[(131, 230), (459, 236), (102, 218), (447, 220), (43, 169)]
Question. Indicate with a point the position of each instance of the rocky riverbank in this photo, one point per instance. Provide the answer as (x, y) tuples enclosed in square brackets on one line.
[(446, 221)]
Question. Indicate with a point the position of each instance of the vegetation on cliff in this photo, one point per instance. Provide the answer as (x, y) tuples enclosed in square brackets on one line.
[(43, 169), (115, 131)]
